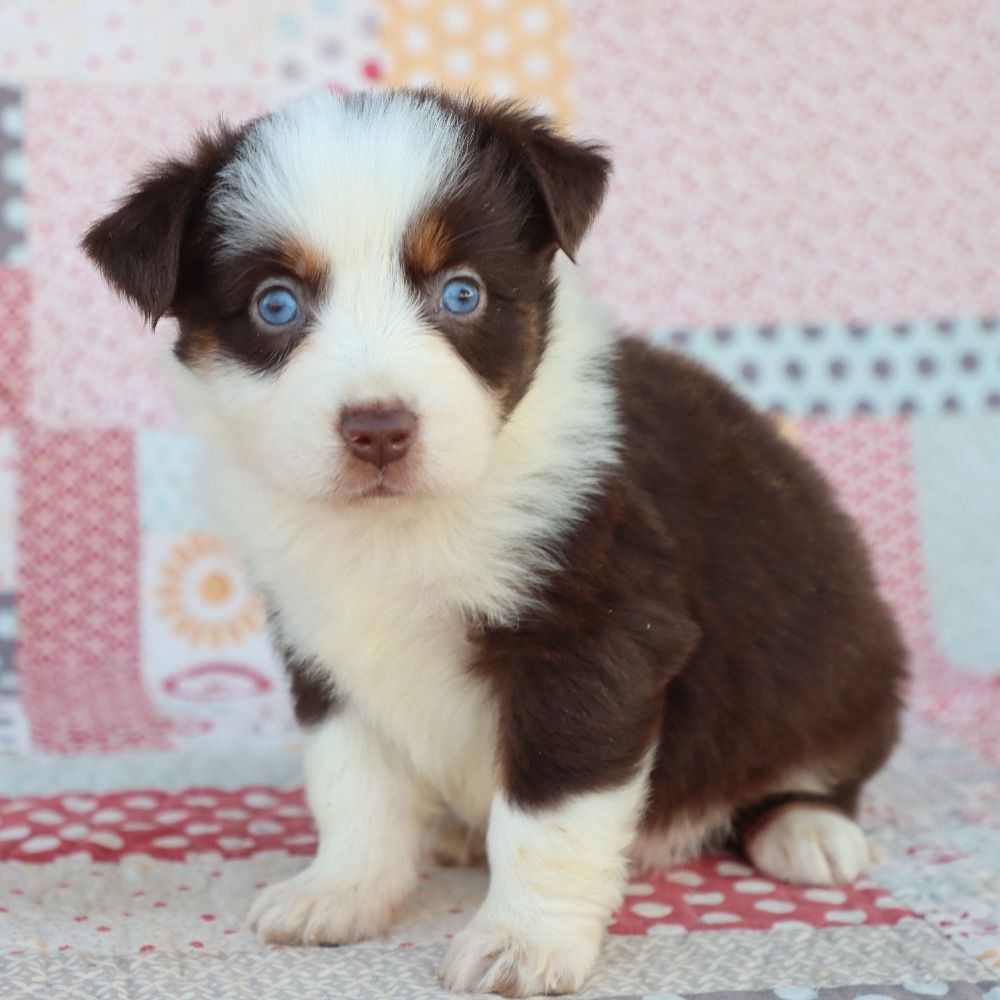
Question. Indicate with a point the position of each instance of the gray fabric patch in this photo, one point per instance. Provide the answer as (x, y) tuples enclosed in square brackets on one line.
[(13, 212), (733, 962), (8, 645)]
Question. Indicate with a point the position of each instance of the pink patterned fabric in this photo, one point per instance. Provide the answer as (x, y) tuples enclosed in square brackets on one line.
[(93, 359), (15, 296), (79, 623), (787, 161)]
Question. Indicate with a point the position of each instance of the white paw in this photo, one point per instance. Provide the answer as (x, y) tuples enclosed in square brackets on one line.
[(810, 846), (493, 958), (314, 908)]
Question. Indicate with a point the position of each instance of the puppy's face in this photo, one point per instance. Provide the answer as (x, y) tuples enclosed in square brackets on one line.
[(362, 285)]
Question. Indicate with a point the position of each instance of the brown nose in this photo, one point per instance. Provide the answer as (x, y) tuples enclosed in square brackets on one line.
[(379, 436)]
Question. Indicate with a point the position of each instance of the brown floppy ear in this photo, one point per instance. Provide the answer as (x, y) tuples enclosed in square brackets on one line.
[(571, 177), (138, 246)]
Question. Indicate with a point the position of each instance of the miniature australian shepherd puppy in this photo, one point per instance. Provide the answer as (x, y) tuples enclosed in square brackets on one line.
[(535, 584)]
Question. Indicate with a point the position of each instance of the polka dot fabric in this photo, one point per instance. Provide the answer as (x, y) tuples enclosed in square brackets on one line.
[(856, 368), (278, 47), (720, 893), (712, 893), (157, 824), (503, 48)]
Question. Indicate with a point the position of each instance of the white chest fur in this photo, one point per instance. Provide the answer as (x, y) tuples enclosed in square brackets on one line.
[(360, 596)]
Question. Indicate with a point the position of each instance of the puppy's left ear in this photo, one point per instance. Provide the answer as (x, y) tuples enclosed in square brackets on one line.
[(570, 177), (138, 246)]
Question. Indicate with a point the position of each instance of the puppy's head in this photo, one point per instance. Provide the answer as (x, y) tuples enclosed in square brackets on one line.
[(362, 285)]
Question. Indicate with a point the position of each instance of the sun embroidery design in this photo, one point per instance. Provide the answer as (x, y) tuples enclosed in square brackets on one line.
[(204, 594)]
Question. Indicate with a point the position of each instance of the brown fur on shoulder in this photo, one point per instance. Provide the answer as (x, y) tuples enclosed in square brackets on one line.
[(717, 605)]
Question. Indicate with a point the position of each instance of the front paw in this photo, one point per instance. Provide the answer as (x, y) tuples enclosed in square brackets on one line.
[(316, 907), (490, 957)]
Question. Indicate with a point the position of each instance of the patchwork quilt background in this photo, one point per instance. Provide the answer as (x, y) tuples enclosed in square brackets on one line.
[(806, 197)]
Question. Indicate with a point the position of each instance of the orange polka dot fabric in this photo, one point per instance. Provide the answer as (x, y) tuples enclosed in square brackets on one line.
[(499, 48)]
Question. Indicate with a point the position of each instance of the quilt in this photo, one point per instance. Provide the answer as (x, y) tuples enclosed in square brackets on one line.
[(806, 198)]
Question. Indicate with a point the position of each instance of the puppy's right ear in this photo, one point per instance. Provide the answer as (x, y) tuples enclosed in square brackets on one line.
[(138, 246)]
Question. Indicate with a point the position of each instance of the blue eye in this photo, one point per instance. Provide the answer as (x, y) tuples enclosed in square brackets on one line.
[(278, 307), (460, 296)]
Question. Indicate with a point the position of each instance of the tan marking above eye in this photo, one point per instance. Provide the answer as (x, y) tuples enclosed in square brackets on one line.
[(305, 262), (426, 244)]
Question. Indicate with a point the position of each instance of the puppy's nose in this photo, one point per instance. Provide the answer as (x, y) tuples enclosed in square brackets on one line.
[(378, 435)]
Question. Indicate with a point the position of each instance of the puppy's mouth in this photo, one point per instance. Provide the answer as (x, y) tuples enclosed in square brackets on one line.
[(380, 489), (370, 483)]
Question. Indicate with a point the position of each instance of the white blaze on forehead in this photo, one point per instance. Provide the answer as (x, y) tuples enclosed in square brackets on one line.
[(343, 176), (344, 180)]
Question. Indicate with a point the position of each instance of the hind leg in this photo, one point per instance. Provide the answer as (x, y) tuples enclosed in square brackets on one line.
[(805, 832), (808, 843)]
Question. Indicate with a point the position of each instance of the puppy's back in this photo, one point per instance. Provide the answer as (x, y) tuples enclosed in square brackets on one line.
[(799, 657)]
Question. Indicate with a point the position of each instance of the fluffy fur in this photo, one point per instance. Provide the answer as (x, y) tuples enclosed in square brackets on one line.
[(599, 611)]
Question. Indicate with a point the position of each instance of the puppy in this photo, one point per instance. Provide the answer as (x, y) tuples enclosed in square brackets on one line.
[(565, 590)]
